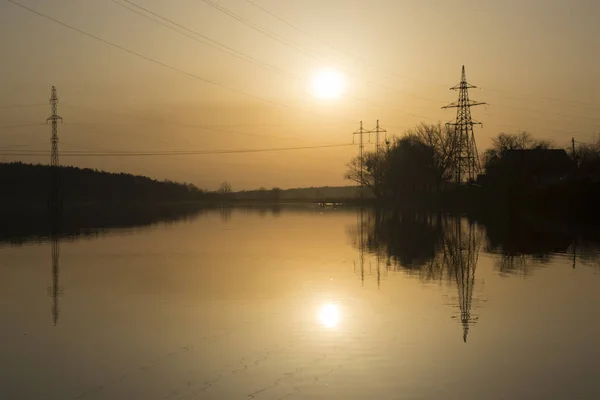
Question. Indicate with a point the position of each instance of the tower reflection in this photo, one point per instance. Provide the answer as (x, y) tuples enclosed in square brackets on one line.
[(432, 247), (461, 253), (55, 290)]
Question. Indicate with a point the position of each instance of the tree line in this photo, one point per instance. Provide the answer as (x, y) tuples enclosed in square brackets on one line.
[(423, 162), (28, 183)]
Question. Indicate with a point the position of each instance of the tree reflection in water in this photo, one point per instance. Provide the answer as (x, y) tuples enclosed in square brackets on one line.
[(432, 247)]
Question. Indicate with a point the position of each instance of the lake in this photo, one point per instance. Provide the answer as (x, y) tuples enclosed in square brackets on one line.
[(301, 303)]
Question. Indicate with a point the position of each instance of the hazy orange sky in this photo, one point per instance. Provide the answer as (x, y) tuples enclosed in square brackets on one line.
[(536, 63)]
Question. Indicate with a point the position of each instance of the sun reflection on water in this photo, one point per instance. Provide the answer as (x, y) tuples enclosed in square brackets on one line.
[(329, 315)]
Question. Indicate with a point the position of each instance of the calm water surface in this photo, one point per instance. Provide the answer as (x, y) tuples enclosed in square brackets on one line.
[(285, 305)]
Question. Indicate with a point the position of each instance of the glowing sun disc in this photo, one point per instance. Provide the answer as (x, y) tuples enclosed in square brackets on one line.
[(328, 84), (329, 315)]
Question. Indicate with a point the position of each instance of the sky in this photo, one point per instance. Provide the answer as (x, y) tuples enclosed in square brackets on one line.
[(238, 75)]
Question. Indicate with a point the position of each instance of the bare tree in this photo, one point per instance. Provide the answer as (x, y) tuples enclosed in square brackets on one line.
[(441, 139), (225, 188), (435, 140), (369, 173), (587, 157)]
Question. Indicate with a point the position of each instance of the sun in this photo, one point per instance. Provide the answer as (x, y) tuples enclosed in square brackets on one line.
[(328, 84), (329, 315)]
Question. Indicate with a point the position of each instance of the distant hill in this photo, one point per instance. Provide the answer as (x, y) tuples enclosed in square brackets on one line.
[(334, 193), (28, 183)]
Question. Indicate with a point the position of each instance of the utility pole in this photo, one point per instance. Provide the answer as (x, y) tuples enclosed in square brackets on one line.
[(54, 201), (467, 160)]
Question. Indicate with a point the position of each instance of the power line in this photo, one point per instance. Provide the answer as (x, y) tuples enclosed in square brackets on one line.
[(293, 26), (525, 128), (206, 80), (281, 19), (210, 128), (549, 99), (152, 60), (11, 106), (193, 75), (243, 56), (329, 45), (257, 28), (12, 146), (76, 153), (253, 26), (246, 22), (165, 65), (20, 125), (208, 41), (298, 48), (551, 113)]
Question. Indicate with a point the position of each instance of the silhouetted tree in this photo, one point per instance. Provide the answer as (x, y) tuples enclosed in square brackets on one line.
[(587, 157), (419, 161), (410, 167), (225, 188), (21, 182), (276, 194), (443, 144), (373, 167)]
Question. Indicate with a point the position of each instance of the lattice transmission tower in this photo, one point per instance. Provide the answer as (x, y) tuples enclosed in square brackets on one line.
[(466, 163), (361, 157), (54, 205), (54, 200), (378, 132)]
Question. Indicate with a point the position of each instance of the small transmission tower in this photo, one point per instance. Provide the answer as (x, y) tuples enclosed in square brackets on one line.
[(361, 149), (377, 132), (467, 160), (54, 201)]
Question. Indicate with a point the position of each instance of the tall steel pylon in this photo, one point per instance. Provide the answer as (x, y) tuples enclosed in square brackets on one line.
[(54, 204), (467, 160), (54, 200)]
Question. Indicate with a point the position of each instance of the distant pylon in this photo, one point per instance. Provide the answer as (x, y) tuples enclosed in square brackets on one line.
[(54, 200), (377, 132), (361, 148), (467, 160)]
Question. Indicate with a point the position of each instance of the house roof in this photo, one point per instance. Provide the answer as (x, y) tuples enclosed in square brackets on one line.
[(549, 159)]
